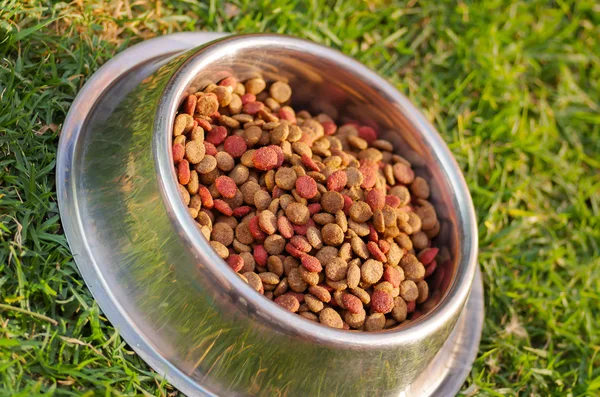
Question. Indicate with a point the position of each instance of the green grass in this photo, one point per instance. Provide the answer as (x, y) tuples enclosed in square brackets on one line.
[(513, 87)]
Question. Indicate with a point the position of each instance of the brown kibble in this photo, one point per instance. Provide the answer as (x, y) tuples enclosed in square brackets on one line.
[(207, 104), (183, 124), (375, 322), (255, 86), (222, 233), (420, 188), (423, 289), (267, 222), (371, 271), (355, 320), (336, 269), (285, 178), (220, 249), (353, 275), (403, 173), (331, 318), (295, 281), (320, 292), (409, 290), (280, 91), (332, 202), (206, 165), (274, 244), (400, 311), (315, 305), (297, 213), (360, 212), (223, 95), (332, 234)]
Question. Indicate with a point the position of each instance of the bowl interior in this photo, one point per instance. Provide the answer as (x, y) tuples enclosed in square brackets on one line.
[(324, 80)]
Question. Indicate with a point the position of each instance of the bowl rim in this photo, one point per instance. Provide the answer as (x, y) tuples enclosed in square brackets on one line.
[(450, 304)]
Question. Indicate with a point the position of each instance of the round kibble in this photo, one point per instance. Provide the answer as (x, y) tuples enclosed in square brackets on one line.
[(381, 302), (332, 202), (285, 178), (226, 186), (332, 234), (288, 302), (409, 290), (336, 269), (280, 91), (235, 146), (375, 322), (297, 213), (331, 318), (371, 271)]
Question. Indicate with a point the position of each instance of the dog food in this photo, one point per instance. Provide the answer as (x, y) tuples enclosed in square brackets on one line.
[(323, 219)]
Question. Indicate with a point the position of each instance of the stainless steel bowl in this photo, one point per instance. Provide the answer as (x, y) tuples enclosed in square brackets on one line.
[(176, 302)]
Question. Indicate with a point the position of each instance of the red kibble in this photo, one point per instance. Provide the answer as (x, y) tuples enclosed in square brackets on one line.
[(369, 170), (307, 139), (260, 255), (190, 104), (301, 243), (217, 135), (226, 186), (223, 207), (179, 152), (228, 82), (393, 201), (376, 252), (381, 302), (427, 255), (306, 187), (384, 246), (280, 155), (429, 269), (416, 314), (248, 98), (253, 107), (347, 204), (329, 127), (288, 302), (367, 133), (285, 227), (265, 159), (210, 149), (289, 247), (204, 124), (183, 172), (352, 303), (205, 197), (277, 192), (297, 295), (438, 278), (242, 211), (314, 208), (337, 181), (235, 146), (309, 162), (311, 263), (392, 276), (376, 199), (302, 229), (235, 262), (411, 306), (215, 116), (373, 236), (255, 229), (286, 114)]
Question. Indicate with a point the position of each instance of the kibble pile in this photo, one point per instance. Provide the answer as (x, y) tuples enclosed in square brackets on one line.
[(323, 219)]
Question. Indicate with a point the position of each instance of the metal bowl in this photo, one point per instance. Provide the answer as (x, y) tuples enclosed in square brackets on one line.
[(176, 302)]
